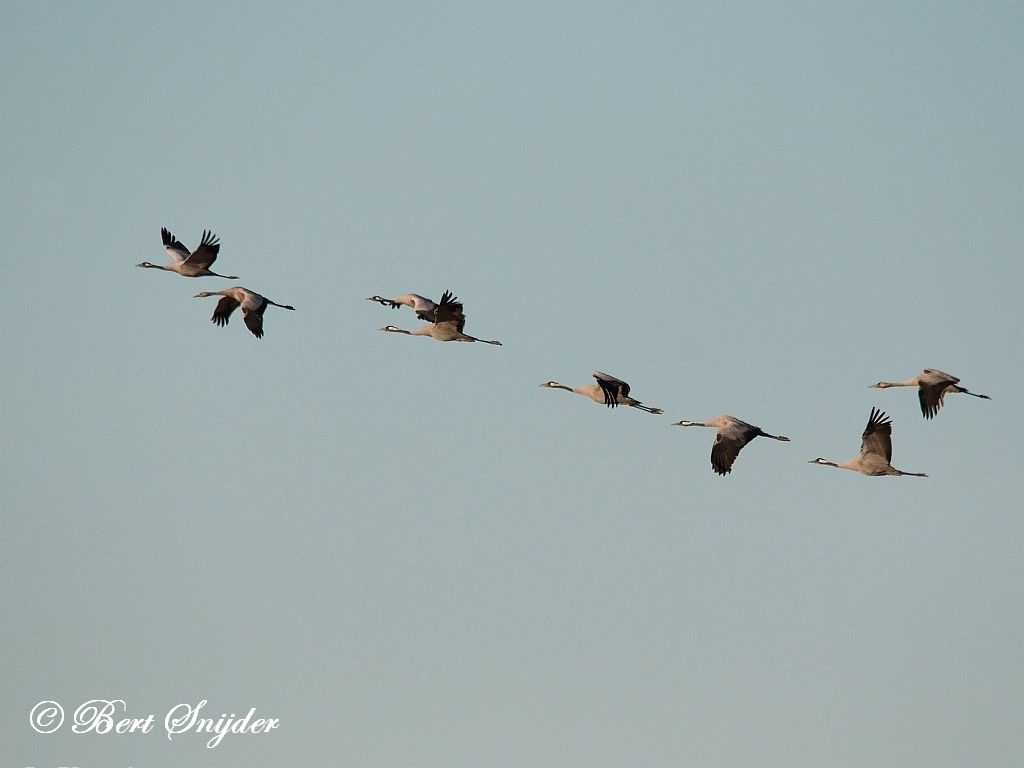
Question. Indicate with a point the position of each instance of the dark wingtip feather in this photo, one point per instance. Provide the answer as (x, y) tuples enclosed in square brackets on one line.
[(878, 417)]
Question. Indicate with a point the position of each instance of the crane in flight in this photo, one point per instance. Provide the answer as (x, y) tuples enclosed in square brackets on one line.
[(253, 306), (445, 322), (732, 435), (875, 450), (608, 391), (421, 305), (932, 387), (195, 264)]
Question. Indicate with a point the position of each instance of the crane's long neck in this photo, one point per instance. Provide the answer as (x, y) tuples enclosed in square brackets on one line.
[(282, 306), (827, 463), (908, 383), (911, 474), (782, 438), (226, 277)]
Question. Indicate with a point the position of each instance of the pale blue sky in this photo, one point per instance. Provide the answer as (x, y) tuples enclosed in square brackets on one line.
[(409, 552)]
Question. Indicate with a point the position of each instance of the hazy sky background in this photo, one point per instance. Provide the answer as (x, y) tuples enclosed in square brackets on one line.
[(406, 550)]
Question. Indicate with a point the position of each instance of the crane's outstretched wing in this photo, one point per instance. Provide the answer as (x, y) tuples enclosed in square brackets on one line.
[(449, 310), (225, 307), (173, 245), (612, 388), (254, 319), (877, 437), (728, 444), (931, 398), (206, 253), (932, 388)]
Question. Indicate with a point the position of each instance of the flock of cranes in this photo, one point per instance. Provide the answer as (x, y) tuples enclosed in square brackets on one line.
[(446, 321), (197, 264)]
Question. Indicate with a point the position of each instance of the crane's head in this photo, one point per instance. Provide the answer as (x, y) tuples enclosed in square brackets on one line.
[(825, 462), (688, 424), (553, 385), (148, 265), (204, 294)]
